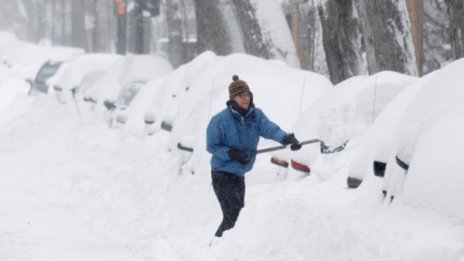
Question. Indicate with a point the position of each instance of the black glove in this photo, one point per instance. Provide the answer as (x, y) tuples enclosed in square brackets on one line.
[(290, 139), (241, 156)]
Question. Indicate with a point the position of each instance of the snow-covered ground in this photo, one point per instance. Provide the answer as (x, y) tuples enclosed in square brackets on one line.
[(73, 189)]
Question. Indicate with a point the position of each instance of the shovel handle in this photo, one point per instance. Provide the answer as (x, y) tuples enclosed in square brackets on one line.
[(281, 147)]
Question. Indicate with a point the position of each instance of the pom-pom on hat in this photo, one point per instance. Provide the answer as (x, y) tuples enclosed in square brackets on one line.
[(237, 86)]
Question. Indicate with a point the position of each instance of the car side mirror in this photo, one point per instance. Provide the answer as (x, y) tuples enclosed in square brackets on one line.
[(75, 89), (110, 104), (149, 117), (89, 99)]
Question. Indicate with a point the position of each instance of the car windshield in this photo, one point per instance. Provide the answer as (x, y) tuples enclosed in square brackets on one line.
[(129, 92), (47, 71)]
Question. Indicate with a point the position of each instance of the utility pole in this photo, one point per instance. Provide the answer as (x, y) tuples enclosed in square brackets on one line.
[(139, 26), (120, 8)]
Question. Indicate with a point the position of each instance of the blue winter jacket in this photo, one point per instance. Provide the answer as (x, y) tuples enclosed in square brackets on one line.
[(229, 129)]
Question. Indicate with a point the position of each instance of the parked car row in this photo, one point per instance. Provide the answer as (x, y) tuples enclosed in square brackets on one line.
[(105, 81), (385, 121), (378, 119), (142, 94)]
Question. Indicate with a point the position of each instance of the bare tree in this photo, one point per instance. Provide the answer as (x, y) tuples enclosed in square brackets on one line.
[(254, 41), (212, 33), (340, 34), (387, 38), (308, 36), (456, 26), (308, 44), (437, 42), (416, 15)]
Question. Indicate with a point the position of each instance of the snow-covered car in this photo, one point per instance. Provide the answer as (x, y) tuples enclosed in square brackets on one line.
[(117, 108), (157, 104), (69, 80), (88, 81), (343, 115), (377, 145), (128, 69), (37, 63), (429, 146)]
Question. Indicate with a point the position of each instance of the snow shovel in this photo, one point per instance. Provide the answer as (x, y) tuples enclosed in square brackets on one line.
[(281, 147), (324, 148)]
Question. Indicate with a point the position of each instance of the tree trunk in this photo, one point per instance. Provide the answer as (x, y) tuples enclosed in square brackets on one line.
[(309, 44), (437, 44), (456, 15), (212, 33), (139, 28), (174, 21), (314, 58), (416, 15), (254, 41), (387, 38), (296, 29), (340, 33)]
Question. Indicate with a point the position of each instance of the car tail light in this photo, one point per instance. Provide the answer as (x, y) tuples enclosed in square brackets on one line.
[(279, 162), (353, 182), (379, 168), (300, 166)]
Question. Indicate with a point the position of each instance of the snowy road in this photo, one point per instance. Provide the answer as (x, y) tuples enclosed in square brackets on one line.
[(42, 216)]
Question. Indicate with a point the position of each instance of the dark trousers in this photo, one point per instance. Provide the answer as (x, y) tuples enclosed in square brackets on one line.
[(230, 192)]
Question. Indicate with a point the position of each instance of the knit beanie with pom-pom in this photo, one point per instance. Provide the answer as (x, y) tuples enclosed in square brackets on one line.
[(237, 86)]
